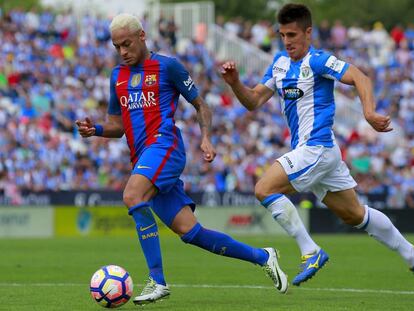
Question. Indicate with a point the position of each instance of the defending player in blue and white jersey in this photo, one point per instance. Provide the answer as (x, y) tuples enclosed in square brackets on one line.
[(304, 80), (143, 100)]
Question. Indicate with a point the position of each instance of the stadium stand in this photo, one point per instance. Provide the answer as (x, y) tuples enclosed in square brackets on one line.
[(54, 69)]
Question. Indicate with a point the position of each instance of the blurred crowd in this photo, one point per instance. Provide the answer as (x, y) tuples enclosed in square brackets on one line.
[(54, 69)]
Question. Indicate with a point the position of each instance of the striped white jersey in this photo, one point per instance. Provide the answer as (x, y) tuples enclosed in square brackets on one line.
[(305, 89)]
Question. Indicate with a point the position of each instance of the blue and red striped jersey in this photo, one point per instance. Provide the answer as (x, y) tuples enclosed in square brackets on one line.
[(147, 97)]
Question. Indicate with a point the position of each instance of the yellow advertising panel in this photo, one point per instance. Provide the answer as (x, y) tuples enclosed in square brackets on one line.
[(95, 221)]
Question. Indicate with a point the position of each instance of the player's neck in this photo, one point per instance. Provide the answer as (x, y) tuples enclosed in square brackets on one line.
[(146, 55), (302, 55)]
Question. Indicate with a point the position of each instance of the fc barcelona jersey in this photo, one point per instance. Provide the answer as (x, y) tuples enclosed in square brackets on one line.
[(146, 96)]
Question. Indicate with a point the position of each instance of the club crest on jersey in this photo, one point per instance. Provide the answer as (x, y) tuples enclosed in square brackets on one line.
[(304, 72), (292, 93), (150, 79), (136, 79)]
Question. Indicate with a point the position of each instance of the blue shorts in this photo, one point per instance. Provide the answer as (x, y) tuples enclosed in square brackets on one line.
[(168, 205), (161, 165)]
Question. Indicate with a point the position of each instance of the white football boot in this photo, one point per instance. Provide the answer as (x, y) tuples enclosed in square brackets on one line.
[(152, 292), (272, 269)]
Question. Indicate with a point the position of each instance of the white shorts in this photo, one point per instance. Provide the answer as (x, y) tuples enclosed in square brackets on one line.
[(317, 169)]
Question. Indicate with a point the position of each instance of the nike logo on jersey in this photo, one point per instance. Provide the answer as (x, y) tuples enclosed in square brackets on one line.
[(147, 227), (120, 83), (315, 264), (142, 166)]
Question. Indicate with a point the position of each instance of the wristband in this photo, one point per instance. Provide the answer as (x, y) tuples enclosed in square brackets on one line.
[(98, 130)]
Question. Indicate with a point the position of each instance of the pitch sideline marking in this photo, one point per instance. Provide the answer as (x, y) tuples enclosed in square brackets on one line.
[(348, 290)]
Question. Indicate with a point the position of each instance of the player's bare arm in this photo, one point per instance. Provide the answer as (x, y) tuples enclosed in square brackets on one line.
[(251, 98), (363, 84), (204, 117), (112, 128)]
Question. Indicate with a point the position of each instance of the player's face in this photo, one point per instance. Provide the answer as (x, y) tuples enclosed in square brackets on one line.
[(130, 45), (295, 39)]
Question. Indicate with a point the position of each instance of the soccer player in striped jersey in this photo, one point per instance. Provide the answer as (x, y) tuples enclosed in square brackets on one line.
[(303, 77), (143, 100)]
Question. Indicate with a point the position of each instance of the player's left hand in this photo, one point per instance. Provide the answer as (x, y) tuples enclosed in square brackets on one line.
[(208, 150), (379, 122)]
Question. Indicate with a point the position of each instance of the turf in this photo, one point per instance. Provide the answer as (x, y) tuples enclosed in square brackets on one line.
[(54, 274)]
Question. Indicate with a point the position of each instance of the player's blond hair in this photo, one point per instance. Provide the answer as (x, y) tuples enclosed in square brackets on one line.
[(125, 20)]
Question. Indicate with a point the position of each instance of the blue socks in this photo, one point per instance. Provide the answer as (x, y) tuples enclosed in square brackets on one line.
[(147, 230), (222, 244)]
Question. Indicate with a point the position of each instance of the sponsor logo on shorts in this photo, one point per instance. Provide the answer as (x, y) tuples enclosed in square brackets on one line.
[(288, 161), (143, 166)]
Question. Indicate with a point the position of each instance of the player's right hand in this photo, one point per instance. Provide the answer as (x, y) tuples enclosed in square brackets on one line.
[(379, 122), (229, 72), (86, 128)]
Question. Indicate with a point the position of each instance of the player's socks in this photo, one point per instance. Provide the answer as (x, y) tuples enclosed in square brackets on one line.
[(222, 244), (285, 213), (147, 230), (379, 226)]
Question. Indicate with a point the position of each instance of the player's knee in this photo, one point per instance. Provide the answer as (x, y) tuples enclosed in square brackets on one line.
[(182, 228), (261, 191), (132, 199), (354, 217)]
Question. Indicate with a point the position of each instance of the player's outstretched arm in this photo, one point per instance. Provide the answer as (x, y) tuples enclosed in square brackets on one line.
[(363, 84), (204, 117), (251, 98), (112, 128)]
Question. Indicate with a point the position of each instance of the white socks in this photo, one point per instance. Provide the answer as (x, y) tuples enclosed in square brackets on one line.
[(380, 227), (285, 213)]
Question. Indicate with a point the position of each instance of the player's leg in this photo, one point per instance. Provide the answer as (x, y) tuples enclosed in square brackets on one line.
[(175, 209), (137, 195), (271, 190), (346, 206), (191, 231)]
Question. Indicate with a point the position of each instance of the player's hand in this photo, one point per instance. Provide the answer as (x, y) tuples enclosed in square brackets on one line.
[(209, 152), (86, 127), (379, 122), (230, 73)]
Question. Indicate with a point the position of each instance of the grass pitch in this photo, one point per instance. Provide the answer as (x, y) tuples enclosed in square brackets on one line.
[(54, 274)]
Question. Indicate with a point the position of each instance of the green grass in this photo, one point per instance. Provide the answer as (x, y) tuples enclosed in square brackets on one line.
[(54, 274)]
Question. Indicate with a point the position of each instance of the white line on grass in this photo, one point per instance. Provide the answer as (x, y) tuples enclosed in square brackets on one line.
[(348, 290)]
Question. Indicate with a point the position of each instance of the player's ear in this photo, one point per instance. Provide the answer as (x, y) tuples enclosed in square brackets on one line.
[(308, 31), (142, 35)]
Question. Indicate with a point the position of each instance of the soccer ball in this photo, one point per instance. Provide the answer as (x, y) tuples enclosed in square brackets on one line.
[(111, 286)]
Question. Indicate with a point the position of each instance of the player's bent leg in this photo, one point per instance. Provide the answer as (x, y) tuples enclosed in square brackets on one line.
[(284, 212), (222, 244), (377, 224)]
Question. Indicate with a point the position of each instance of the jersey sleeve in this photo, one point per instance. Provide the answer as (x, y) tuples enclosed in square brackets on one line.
[(268, 78), (182, 80), (113, 107), (328, 66)]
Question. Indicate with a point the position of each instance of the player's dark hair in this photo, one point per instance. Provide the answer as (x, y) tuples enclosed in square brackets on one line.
[(293, 12)]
